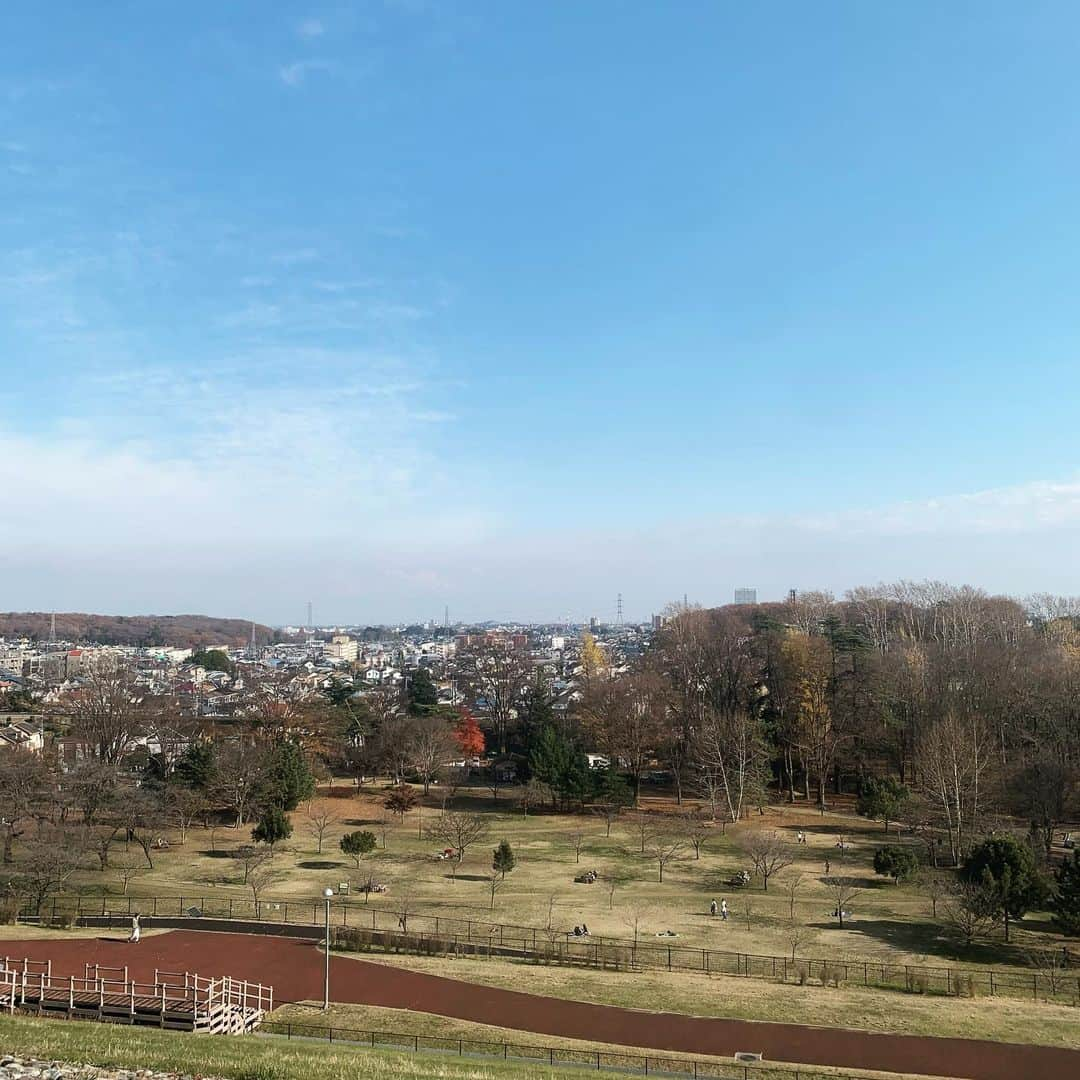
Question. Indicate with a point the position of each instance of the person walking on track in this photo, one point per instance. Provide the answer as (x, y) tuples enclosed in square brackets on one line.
[(133, 937)]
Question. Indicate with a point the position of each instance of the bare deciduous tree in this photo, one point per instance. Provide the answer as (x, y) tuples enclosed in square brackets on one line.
[(792, 885), (698, 829), (797, 935), (769, 852), (319, 822), (646, 827), (126, 869), (495, 672), (970, 911), (24, 787), (954, 754), (431, 746), (934, 886), (249, 858), (842, 891), (577, 841), (259, 879), (183, 807), (458, 831), (664, 849), (105, 711)]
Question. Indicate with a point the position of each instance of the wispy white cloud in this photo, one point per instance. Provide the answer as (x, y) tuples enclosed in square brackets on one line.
[(296, 73), (295, 256), (346, 286), (311, 28), (1016, 509)]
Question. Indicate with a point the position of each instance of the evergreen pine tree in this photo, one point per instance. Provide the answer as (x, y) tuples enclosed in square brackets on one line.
[(502, 860), (1066, 902)]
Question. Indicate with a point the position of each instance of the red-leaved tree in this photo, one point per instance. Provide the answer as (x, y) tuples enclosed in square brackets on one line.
[(468, 734)]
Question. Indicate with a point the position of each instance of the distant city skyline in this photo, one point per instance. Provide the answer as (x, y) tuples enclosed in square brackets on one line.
[(515, 308)]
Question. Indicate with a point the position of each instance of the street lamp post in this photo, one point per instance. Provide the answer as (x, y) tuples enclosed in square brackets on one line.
[(327, 894)]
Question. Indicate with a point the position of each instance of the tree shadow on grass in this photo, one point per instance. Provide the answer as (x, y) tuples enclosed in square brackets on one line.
[(935, 944), (319, 864), (467, 877), (219, 854)]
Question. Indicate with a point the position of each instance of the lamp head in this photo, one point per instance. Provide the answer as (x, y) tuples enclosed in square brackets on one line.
[(328, 892)]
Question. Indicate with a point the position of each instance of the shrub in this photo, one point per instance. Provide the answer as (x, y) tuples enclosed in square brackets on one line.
[(833, 975), (899, 863), (802, 974)]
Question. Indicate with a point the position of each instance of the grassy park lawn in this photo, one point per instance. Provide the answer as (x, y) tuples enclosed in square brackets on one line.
[(237, 1058), (24, 932), (1000, 1019), (889, 923)]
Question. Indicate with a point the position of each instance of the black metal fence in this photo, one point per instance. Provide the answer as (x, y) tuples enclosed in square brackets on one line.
[(614, 1060), (414, 931)]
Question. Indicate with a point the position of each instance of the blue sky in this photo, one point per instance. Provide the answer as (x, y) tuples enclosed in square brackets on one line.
[(515, 306)]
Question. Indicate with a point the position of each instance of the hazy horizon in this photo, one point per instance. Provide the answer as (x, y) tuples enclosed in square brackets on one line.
[(399, 305)]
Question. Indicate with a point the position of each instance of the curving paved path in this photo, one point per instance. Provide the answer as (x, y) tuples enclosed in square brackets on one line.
[(295, 969)]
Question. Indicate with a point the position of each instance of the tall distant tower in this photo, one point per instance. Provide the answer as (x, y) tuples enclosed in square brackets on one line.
[(446, 616), (254, 644), (618, 610), (52, 629), (309, 625)]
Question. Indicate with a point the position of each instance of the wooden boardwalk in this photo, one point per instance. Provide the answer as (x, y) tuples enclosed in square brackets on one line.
[(180, 1001)]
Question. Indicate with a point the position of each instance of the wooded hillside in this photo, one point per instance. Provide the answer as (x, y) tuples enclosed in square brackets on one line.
[(180, 630)]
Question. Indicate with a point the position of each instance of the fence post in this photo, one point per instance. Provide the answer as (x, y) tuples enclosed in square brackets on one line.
[(288, 1033), (669, 958), (991, 982)]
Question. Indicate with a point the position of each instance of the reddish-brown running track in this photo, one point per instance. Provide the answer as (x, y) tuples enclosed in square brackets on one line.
[(295, 969)]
